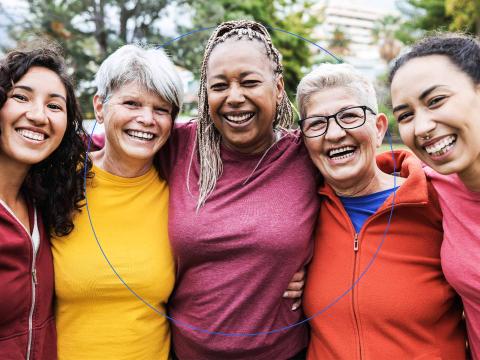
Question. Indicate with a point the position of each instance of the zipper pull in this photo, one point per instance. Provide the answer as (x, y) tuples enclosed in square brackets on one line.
[(34, 276), (355, 243)]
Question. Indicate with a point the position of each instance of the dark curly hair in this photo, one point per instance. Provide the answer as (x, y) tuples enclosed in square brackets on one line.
[(55, 185), (462, 50)]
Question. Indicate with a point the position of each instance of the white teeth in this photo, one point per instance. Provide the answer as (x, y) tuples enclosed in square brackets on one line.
[(31, 134), (240, 118), (332, 152), (140, 134), (442, 146)]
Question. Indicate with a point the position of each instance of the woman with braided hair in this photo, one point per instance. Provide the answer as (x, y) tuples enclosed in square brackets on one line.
[(242, 206)]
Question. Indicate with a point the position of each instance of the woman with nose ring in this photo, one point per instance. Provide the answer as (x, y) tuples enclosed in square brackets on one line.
[(242, 206), (436, 100), (124, 230), (41, 173), (375, 286)]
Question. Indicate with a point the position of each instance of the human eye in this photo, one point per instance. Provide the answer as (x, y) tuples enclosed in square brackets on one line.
[(436, 100), (219, 86), (162, 110), (350, 115), (131, 103), (19, 97), (404, 117), (315, 123), (250, 82), (55, 107)]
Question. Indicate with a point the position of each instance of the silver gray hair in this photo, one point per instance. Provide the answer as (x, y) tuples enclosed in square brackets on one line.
[(328, 76), (150, 67)]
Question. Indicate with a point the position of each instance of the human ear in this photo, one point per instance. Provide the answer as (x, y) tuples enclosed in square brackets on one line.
[(280, 87), (99, 108), (381, 124)]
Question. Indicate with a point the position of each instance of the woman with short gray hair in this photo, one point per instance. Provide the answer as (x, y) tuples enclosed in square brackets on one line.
[(139, 95), (375, 270)]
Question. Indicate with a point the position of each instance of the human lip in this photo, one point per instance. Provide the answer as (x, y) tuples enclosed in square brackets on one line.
[(140, 135), (341, 152), (440, 145), (32, 133), (238, 118)]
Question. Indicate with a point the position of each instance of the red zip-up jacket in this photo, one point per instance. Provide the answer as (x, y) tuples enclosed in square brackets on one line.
[(27, 326), (402, 307)]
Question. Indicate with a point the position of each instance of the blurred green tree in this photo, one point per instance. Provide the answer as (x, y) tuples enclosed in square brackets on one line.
[(89, 30), (423, 16), (292, 16)]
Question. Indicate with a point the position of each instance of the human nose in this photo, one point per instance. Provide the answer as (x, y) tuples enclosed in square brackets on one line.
[(334, 131), (235, 95), (36, 114), (146, 116), (423, 124)]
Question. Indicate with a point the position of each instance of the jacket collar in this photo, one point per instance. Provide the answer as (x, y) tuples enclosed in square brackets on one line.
[(413, 191)]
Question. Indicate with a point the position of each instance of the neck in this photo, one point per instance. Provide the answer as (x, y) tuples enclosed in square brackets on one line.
[(123, 167), (471, 177), (371, 183), (12, 176), (255, 149)]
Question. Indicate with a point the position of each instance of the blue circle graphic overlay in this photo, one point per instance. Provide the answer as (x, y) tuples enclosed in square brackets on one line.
[(239, 334)]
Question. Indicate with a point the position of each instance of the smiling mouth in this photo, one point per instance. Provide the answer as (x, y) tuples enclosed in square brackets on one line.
[(31, 135), (341, 153), (239, 118), (140, 135), (442, 146)]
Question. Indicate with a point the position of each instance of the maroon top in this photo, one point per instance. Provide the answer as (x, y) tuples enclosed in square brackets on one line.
[(236, 256), (18, 292)]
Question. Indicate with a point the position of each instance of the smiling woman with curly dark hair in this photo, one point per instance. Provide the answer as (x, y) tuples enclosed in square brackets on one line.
[(42, 159)]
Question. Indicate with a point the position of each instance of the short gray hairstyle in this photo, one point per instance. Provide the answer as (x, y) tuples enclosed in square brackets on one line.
[(150, 67), (328, 76)]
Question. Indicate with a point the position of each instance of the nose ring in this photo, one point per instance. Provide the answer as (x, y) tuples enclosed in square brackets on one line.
[(426, 137)]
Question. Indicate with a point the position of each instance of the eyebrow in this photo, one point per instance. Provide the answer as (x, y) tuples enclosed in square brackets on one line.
[(336, 112), (242, 75), (29, 89), (422, 96)]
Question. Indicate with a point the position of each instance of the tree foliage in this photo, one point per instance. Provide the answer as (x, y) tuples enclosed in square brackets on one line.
[(286, 16), (89, 30), (438, 15)]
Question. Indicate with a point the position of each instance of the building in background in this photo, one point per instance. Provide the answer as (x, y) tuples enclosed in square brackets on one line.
[(347, 30)]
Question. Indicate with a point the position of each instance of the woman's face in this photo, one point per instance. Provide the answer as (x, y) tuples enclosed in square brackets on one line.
[(137, 123), (243, 94), (344, 157), (33, 119), (431, 95)]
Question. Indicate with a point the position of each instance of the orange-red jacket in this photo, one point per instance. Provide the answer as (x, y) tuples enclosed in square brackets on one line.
[(401, 306)]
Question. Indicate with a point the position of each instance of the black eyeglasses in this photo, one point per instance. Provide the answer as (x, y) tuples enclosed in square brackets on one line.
[(349, 118)]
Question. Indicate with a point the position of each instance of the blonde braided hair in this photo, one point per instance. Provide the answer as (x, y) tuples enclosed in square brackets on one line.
[(208, 137)]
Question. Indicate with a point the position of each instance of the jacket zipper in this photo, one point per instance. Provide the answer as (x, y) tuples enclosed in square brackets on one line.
[(355, 316), (33, 279), (32, 307), (356, 246)]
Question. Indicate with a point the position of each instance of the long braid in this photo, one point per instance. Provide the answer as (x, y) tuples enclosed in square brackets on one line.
[(209, 138)]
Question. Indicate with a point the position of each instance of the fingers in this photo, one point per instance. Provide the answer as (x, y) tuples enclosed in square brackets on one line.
[(296, 304), (292, 294), (296, 286), (298, 276)]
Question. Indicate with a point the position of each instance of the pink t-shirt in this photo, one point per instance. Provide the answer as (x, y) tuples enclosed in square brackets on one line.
[(236, 255), (460, 252)]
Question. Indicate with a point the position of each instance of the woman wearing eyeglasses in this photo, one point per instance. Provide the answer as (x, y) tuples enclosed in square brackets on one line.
[(375, 284)]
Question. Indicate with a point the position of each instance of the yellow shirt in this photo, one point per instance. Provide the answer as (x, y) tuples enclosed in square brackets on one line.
[(97, 316)]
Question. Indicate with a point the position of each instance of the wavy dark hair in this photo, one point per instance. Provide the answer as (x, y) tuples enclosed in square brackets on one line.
[(461, 49), (55, 185)]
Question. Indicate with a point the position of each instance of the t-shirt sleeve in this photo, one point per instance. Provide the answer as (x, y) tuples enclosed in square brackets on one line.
[(181, 135)]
